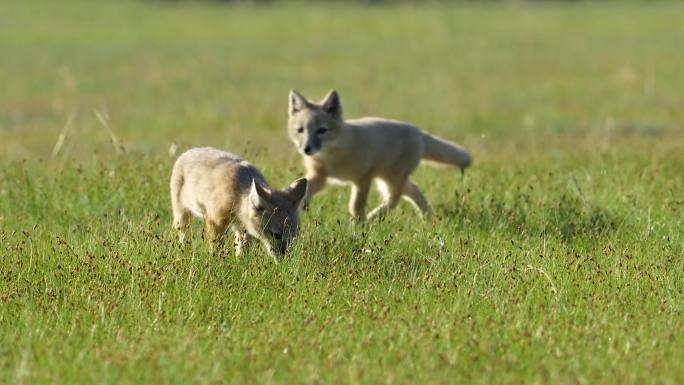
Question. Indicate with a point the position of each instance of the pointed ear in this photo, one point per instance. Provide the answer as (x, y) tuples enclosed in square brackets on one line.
[(332, 105), (297, 190), (258, 196), (296, 103)]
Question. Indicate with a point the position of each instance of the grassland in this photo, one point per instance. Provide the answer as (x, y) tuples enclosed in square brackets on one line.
[(558, 259)]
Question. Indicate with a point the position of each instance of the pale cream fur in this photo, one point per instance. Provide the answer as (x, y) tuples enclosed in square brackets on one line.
[(362, 150), (227, 191)]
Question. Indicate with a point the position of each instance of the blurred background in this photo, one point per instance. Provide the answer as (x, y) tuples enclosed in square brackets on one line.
[(488, 74)]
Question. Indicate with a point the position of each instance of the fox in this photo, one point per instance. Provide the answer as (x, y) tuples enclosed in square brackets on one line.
[(363, 150), (227, 191)]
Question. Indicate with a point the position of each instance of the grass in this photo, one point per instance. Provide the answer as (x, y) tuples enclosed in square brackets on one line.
[(559, 258)]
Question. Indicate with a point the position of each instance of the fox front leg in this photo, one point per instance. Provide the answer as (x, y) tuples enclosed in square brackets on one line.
[(242, 240), (316, 181), (271, 251), (214, 233)]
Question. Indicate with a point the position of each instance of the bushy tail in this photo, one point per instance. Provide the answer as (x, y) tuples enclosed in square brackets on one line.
[(443, 151)]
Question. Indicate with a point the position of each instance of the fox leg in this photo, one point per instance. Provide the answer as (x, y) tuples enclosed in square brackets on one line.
[(392, 193), (241, 241), (316, 181), (359, 196), (215, 231), (181, 215), (181, 219), (413, 194)]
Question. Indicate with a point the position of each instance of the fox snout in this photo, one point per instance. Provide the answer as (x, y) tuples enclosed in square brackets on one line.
[(278, 249), (309, 148)]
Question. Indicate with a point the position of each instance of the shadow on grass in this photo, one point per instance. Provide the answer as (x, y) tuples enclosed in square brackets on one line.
[(569, 218)]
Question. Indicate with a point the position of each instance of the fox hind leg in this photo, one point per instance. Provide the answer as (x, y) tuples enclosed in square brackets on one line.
[(413, 194), (181, 215), (181, 221), (391, 193), (359, 196)]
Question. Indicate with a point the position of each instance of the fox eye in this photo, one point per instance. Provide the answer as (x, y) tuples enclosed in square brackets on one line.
[(321, 130), (300, 130)]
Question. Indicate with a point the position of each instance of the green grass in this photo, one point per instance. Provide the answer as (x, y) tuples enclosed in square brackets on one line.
[(558, 259)]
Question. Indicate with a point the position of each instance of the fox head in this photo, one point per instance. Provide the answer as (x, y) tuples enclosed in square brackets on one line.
[(314, 126), (274, 215)]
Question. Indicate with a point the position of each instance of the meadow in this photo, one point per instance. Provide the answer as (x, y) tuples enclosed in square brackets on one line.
[(557, 259)]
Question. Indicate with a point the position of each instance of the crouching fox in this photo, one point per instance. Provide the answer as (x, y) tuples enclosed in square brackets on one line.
[(362, 150), (227, 191)]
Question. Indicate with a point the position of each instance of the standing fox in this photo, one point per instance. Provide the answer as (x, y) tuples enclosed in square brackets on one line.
[(362, 150), (228, 191)]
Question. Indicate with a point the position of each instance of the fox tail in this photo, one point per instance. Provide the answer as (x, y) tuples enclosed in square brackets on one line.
[(443, 151)]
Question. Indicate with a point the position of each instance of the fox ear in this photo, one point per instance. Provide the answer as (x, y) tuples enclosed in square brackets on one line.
[(258, 196), (331, 104), (297, 190), (296, 103)]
